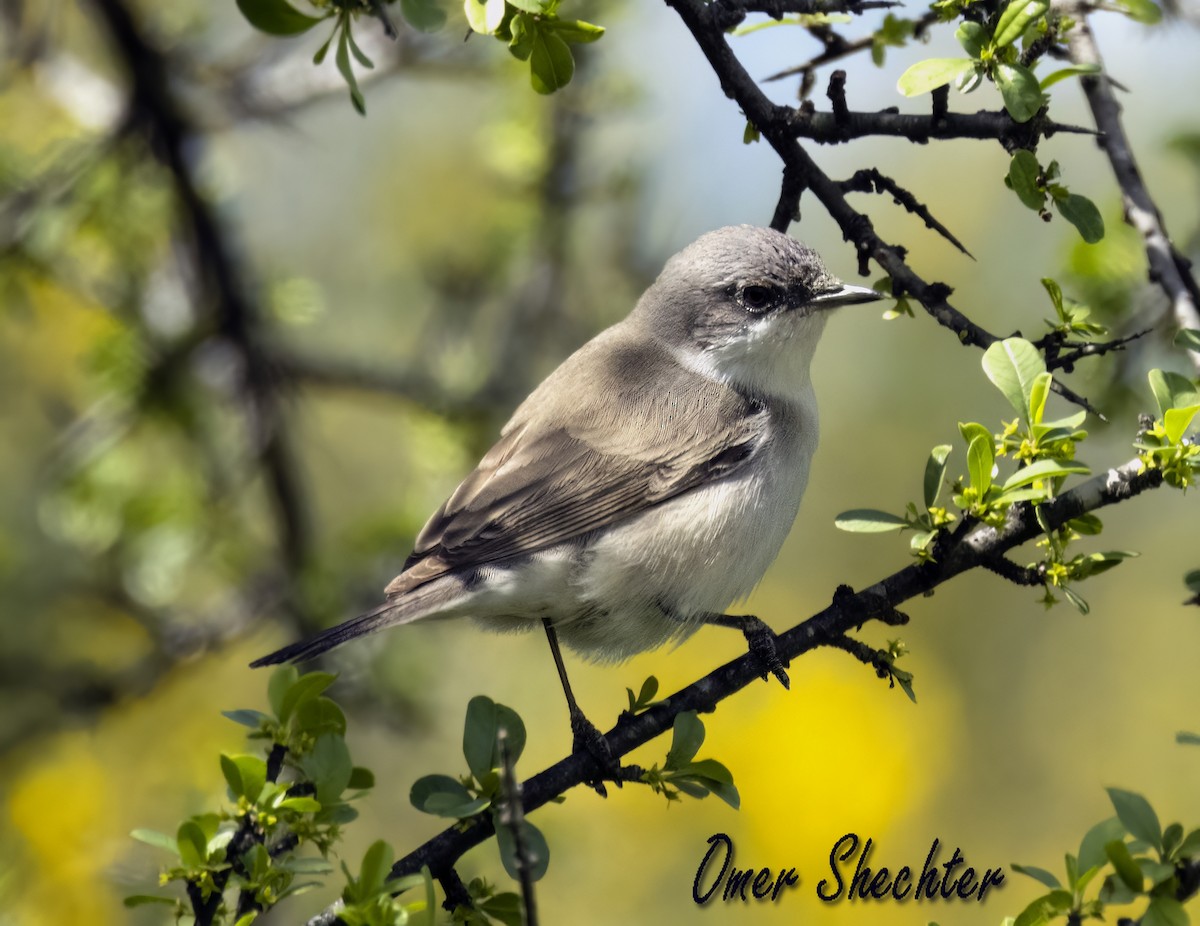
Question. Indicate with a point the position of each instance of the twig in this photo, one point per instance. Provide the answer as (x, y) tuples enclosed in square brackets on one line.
[(840, 48), (870, 180), (1168, 268), (827, 128)]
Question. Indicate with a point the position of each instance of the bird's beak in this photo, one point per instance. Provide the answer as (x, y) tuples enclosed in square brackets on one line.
[(845, 294)]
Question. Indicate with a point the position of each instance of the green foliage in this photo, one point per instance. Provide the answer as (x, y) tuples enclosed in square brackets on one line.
[(1165, 445), (645, 695), (488, 725), (292, 796), (535, 33), (682, 773), (1044, 452), (1132, 858), (1033, 184)]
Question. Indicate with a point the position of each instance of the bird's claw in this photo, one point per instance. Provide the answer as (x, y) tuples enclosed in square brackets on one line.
[(761, 640), (587, 739)]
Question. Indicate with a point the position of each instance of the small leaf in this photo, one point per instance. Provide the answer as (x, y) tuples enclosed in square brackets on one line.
[(1016, 18), (935, 473), (304, 688), (247, 718), (245, 775), (276, 17), (484, 17), (1083, 214), (1019, 88), (328, 767), (536, 850), (1126, 867), (1038, 394), (1063, 73), (479, 735), (1023, 174), (156, 839), (1013, 365), (551, 64), (192, 844), (376, 864), (1164, 911), (932, 73), (980, 460), (342, 59), (868, 521), (576, 31), (687, 737), (1044, 469), (1188, 339), (1038, 874), (1091, 849), (361, 779), (282, 679), (1177, 420), (1137, 816), (1141, 10), (972, 37), (139, 900), (301, 804)]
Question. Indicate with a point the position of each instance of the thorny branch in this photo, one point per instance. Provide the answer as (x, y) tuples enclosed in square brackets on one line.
[(1169, 269)]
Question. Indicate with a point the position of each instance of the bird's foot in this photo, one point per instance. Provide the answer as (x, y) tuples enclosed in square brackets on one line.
[(587, 739), (761, 640)]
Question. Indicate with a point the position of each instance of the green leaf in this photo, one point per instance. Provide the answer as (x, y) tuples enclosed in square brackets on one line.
[(245, 775), (282, 679), (980, 459), (1044, 469), (328, 767), (1183, 738), (306, 687), (1164, 911), (423, 15), (320, 715), (576, 31), (536, 850), (1087, 565), (506, 908), (301, 804), (156, 839), (1013, 366), (479, 735), (1171, 390), (1038, 874), (1077, 600), (1023, 174), (1188, 339), (1141, 10), (1038, 394), (342, 59), (247, 718), (1190, 846), (1016, 18), (932, 73), (1083, 214), (1126, 867), (248, 918), (361, 779), (1063, 73), (868, 521), (192, 844), (445, 797), (484, 16), (971, 430), (1177, 420), (935, 474), (139, 900), (1137, 816), (687, 737), (276, 17), (536, 7), (972, 37), (376, 864), (1091, 849), (551, 64), (1019, 88)]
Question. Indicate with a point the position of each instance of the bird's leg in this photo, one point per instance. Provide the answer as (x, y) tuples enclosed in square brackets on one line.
[(585, 735), (761, 640)]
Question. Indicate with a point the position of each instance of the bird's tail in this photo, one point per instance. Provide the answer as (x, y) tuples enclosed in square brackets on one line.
[(423, 601)]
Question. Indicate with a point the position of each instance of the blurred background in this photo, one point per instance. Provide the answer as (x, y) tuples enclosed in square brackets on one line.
[(250, 339)]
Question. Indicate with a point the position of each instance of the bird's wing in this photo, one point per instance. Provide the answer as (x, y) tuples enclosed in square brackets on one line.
[(560, 472)]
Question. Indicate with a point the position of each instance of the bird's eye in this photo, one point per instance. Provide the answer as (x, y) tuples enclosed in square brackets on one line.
[(756, 297)]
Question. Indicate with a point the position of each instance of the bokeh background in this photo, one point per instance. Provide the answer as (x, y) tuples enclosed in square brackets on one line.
[(408, 277)]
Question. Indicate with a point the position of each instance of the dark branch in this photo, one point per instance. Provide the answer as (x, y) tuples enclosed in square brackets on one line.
[(827, 128), (1168, 268), (871, 180)]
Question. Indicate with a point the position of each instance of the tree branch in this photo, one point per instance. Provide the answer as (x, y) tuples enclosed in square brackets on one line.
[(1168, 268)]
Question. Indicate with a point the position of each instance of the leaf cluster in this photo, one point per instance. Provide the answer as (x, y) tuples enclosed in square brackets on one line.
[(296, 793), (682, 772), (1138, 858)]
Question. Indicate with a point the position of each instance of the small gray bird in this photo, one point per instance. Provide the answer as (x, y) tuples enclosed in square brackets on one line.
[(649, 481)]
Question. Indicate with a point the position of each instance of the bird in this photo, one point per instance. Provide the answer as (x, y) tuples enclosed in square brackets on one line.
[(648, 482)]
